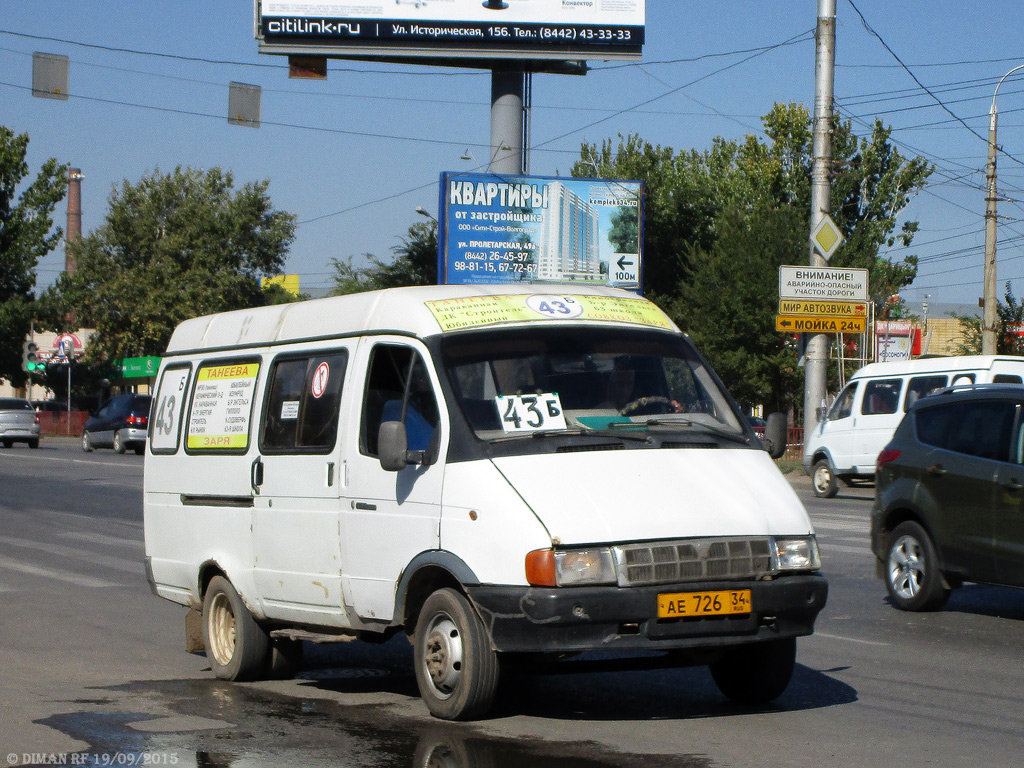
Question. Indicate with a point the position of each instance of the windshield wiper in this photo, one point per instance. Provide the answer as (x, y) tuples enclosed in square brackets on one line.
[(690, 423), (571, 433)]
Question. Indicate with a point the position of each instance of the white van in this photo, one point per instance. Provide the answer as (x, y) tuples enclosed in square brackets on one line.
[(490, 470), (846, 442)]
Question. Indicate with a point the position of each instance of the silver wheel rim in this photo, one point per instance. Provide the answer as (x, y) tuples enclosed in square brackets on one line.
[(443, 654), (222, 629), (85, 441), (906, 567), (822, 478)]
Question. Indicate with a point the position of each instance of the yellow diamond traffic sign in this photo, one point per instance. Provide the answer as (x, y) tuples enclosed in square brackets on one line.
[(826, 237)]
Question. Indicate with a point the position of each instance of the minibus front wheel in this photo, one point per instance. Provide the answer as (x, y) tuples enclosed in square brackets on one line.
[(236, 646), (456, 667)]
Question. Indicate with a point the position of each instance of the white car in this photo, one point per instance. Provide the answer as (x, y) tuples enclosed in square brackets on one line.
[(18, 422)]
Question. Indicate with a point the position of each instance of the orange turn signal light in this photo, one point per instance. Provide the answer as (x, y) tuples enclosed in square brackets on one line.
[(540, 568)]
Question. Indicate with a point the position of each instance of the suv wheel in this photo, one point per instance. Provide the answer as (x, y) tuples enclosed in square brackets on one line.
[(912, 574), (824, 480)]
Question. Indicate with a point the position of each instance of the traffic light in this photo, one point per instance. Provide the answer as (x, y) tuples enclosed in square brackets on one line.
[(29, 358)]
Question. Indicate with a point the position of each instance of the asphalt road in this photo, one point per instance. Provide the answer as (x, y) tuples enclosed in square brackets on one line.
[(93, 669)]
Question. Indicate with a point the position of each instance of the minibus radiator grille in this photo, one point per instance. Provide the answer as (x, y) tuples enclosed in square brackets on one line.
[(692, 560)]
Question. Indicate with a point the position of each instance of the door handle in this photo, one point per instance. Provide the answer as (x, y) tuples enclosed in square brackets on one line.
[(937, 469), (256, 474)]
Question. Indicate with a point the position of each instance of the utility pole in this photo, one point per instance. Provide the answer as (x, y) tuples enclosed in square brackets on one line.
[(816, 355)]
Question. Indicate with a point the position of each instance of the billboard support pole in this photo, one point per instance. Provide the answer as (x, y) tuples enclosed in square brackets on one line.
[(508, 86)]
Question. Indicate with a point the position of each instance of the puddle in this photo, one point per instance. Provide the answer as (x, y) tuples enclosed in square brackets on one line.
[(224, 725)]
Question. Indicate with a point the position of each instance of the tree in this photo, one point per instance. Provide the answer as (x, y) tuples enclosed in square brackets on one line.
[(719, 223), (171, 247), (415, 264), (26, 235), (1009, 325)]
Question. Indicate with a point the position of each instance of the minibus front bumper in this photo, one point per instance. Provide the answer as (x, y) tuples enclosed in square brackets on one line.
[(563, 619)]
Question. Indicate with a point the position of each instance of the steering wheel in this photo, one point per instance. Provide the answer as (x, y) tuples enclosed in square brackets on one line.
[(643, 406)]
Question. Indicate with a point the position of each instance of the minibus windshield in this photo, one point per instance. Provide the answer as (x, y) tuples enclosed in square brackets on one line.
[(539, 381)]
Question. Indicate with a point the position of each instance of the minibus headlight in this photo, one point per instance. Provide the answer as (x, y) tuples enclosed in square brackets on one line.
[(570, 568), (796, 553)]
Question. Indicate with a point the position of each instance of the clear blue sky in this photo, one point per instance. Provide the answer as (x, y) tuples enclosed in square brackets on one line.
[(354, 155)]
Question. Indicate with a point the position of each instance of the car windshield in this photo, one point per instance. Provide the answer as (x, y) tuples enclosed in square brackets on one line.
[(14, 404), (540, 381)]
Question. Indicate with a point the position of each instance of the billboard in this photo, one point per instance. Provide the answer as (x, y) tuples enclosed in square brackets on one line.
[(530, 229), (489, 29)]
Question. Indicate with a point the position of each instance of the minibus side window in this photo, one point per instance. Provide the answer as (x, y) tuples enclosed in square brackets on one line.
[(922, 386), (843, 406), (881, 396), (398, 381), (302, 403)]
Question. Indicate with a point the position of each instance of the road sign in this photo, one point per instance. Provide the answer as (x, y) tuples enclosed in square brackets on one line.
[(830, 283), (807, 324), (823, 308), (826, 237)]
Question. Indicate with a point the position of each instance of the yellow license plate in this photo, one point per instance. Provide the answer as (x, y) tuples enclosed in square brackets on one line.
[(681, 605)]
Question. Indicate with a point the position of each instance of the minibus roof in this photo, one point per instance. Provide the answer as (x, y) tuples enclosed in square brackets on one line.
[(417, 311), (933, 365)]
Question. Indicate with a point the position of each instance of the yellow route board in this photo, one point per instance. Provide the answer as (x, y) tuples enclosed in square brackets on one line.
[(817, 308), (807, 324)]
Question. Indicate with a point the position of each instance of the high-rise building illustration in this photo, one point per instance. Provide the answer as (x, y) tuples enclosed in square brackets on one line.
[(568, 247)]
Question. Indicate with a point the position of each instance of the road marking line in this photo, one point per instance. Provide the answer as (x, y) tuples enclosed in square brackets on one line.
[(71, 578), (117, 563), (848, 639)]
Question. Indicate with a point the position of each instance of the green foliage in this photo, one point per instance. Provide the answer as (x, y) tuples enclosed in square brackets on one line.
[(173, 246), (1009, 319), (415, 264), (26, 235), (719, 223)]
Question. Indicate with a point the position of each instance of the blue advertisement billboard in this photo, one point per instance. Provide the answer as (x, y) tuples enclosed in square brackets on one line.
[(533, 229)]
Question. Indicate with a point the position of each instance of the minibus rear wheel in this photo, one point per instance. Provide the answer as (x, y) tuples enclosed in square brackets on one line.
[(456, 668), (236, 646)]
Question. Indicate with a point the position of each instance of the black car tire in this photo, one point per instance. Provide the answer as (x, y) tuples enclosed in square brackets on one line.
[(756, 673), (912, 575), (456, 668), (823, 480), (7, 443), (236, 646), (119, 446), (86, 442), (33, 443)]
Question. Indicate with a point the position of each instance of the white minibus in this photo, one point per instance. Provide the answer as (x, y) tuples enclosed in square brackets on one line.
[(494, 471), (846, 442)]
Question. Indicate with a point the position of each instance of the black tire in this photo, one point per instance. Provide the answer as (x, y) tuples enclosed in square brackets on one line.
[(456, 668), (823, 480), (119, 446), (86, 442), (912, 575), (33, 443), (7, 444), (236, 646), (756, 673)]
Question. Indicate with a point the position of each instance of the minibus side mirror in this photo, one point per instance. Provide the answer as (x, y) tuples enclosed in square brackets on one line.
[(775, 433), (392, 446), (820, 414)]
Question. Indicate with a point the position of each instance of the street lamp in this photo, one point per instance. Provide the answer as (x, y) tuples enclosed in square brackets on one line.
[(988, 319), (424, 212)]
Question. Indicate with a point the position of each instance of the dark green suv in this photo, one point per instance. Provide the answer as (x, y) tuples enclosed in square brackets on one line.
[(949, 496)]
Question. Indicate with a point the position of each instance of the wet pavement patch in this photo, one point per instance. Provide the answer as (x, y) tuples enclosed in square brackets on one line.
[(225, 725)]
